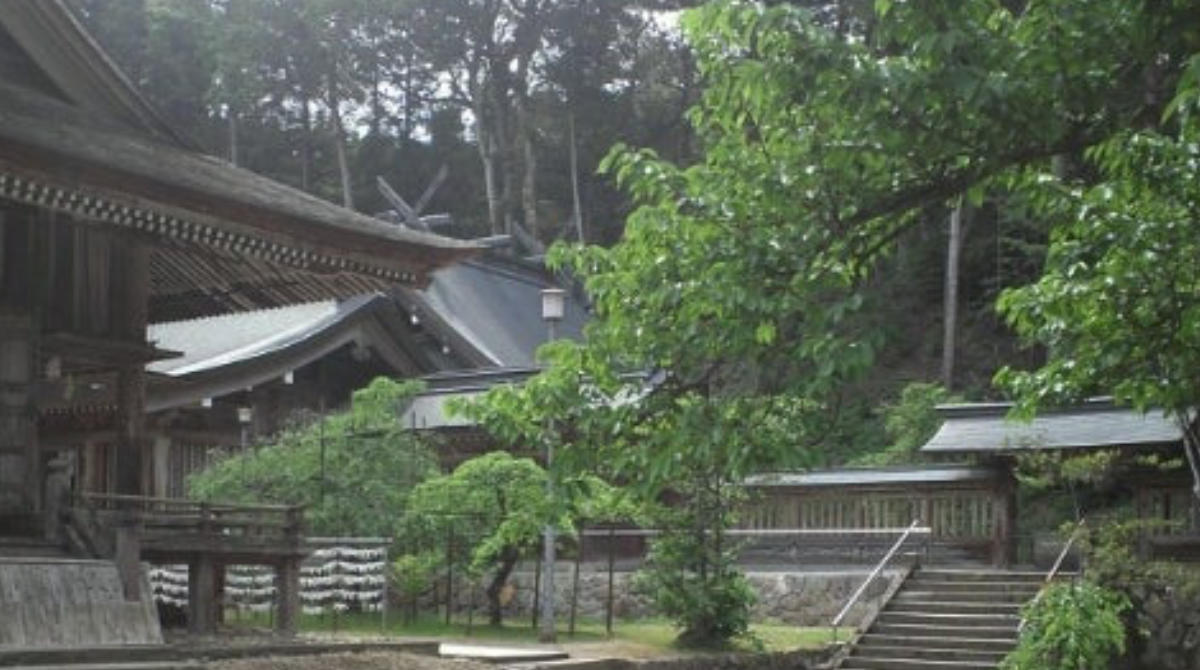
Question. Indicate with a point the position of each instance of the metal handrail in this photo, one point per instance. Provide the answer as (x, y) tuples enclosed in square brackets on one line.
[(1062, 556), (913, 527)]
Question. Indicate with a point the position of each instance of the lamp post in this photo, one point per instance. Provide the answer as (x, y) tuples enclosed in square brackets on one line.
[(244, 416), (553, 307)]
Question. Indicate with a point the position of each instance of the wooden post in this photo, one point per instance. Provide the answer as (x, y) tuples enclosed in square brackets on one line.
[(201, 587), (128, 555), (575, 582), (18, 434), (449, 574), (129, 317), (1005, 511), (287, 594), (537, 589), (608, 607)]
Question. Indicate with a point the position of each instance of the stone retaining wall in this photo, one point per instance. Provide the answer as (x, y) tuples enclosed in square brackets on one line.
[(809, 598)]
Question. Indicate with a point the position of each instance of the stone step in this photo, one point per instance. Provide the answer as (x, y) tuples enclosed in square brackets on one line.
[(919, 583), (941, 607), (920, 594), (973, 620), (939, 630), (929, 653), (934, 642), (872, 663), (965, 575)]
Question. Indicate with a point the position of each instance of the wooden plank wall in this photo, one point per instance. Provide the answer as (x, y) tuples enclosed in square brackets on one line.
[(953, 515)]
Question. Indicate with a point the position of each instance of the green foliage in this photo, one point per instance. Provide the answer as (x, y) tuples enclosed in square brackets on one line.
[(1072, 626), (496, 504), (490, 512), (352, 471), (910, 422), (1118, 303), (413, 574), (738, 286), (691, 571), (1041, 470)]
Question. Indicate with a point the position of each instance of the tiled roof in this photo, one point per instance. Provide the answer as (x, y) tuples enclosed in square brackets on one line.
[(496, 307), (218, 341), (1096, 424)]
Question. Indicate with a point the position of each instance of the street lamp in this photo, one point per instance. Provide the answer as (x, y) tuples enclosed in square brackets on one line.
[(244, 415), (553, 308)]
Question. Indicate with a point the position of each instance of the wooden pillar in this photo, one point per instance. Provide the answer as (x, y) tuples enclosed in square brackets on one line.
[(128, 556), (20, 483), (1004, 509), (201, 595), (1143, 514), (129, 303), (287, 594), (161, 466)]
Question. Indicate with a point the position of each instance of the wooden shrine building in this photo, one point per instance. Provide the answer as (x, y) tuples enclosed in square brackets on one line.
[(275, 367), (109, 221), (984, 433), (857, 513)]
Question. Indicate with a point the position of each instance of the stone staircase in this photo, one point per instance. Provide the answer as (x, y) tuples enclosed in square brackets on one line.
[(941, 619)]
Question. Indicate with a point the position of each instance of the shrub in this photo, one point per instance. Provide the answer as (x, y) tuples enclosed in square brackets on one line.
[(1071, 627)]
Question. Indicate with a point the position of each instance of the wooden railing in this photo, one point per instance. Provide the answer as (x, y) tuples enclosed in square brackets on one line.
[(168, 516)]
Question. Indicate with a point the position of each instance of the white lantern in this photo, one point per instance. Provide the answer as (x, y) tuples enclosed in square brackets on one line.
[(554, 304)]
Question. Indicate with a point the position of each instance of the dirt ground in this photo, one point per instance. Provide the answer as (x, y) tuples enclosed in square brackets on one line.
[(363, 661)]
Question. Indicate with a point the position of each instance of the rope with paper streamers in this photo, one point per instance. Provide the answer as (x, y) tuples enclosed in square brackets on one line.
[(332, 579)]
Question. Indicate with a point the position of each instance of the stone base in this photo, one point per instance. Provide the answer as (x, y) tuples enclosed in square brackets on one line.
[(49, 603)]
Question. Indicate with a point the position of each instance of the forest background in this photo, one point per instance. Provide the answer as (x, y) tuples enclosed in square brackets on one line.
[(519, 101)]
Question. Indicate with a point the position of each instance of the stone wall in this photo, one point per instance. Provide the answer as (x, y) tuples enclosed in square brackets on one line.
[(809, 598), (1170, 618), (71, 603)]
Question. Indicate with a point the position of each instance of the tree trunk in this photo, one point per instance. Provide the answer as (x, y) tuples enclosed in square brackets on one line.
[(1191, 449), (233, 136), (576, 206), (344, 168), (529, 176), (339, 141), (950, 309), (306, 146), (508, 560), (487, 158)]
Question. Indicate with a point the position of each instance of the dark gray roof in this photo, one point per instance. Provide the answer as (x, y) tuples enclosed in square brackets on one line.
[(495, 306), (1095, 424), (228, 353), (428, 410), (229, 339), (936, 474)]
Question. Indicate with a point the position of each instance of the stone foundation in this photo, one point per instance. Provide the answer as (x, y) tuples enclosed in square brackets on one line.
[(808, 598)]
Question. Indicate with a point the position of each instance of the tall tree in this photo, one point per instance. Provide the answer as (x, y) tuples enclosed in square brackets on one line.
[(740, 279)]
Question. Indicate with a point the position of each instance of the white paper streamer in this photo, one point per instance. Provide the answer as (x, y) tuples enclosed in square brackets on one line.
[(333, 579)]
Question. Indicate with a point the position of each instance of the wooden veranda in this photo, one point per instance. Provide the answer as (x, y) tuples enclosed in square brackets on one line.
[(207, 537)]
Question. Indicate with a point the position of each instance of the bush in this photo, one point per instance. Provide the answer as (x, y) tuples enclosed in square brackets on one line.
[(1071, 627), (691, 572)]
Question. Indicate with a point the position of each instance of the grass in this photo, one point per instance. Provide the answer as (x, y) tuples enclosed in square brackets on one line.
[(640, 635)]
